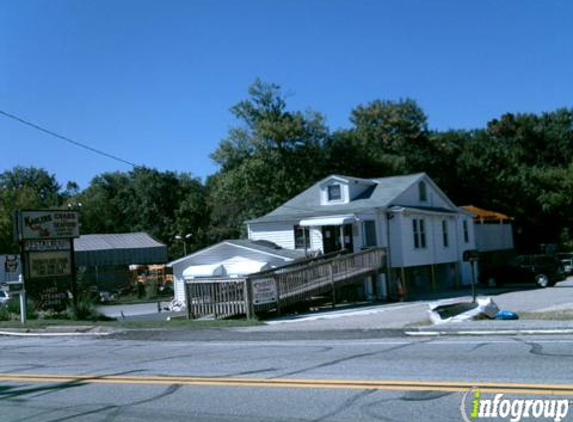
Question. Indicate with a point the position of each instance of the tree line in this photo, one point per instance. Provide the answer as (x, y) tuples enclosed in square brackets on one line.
[(519, 164)]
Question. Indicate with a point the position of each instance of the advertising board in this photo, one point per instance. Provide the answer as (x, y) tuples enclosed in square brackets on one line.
[(48, 225), (264, 291), (50, 264)]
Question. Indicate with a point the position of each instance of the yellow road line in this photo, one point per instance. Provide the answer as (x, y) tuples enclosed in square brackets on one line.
[(391, 385)]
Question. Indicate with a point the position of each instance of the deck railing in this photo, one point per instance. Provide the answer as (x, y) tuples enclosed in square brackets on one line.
[(220, 298), (223, 298)]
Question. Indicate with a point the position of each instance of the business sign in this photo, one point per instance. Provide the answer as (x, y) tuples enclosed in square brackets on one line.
[(264, 291), (48, 225), (11, 263), (47, 245), (50, 264)]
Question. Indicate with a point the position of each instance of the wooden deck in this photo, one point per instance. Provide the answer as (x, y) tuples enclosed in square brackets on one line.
[(224, 298)]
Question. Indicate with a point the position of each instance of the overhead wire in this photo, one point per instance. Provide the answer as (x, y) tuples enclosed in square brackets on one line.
[(65, 138)]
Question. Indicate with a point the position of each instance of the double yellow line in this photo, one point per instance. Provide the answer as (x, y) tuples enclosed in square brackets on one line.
[(391, 385)]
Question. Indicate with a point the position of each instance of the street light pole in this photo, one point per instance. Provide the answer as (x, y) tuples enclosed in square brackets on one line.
[(184, 239)]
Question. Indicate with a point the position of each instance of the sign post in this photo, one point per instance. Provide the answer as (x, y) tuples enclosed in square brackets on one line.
[(23, 310), (472, 256), (47, 252)]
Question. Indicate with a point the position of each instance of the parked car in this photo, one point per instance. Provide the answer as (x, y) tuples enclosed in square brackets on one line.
[(4, 297), (567, 265), (543, 270)]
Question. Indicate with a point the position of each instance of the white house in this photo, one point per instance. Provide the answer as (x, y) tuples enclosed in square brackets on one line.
[(424, 232), (229, 259)]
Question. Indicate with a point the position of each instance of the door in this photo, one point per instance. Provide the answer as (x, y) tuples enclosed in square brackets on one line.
[(332, 239)]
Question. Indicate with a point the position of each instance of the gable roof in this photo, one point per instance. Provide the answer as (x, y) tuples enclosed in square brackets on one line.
[(265, 247), (307, 204)]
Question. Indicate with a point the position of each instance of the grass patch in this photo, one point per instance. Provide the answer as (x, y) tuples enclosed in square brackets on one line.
[(173, 324), (135, 299), (547, 316)]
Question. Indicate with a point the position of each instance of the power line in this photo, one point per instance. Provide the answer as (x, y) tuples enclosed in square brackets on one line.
[(64, 138)]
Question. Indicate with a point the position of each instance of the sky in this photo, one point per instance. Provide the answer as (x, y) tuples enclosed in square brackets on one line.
[(152, 81)]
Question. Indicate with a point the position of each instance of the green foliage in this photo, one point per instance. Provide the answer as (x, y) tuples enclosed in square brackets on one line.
[(24, 188), (5, 314), (13, 306), (84, 310), (163, 204), (274, 155), (151, 288), (519, 164)]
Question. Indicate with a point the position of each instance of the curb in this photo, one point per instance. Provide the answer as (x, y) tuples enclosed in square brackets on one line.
[(62, 334), (488, 332)]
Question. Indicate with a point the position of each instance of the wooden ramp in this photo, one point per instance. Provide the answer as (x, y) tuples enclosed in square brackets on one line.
[(223, 298)]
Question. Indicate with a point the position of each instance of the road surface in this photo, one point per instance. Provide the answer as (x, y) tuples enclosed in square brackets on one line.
[(359, 379)]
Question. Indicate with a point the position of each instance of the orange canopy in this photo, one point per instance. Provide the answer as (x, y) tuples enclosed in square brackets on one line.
[(486, 215)]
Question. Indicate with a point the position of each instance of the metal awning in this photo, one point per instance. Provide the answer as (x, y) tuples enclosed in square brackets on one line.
[(214, 270), (333, 220)]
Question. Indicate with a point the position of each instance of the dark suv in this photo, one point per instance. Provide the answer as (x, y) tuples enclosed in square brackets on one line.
[(543, 270)]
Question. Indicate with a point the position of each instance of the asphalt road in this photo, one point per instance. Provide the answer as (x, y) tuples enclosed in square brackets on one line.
[(355, 379)]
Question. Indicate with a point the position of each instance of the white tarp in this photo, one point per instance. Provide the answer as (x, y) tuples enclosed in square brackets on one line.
[(458, 310), (333, 220), (239, 266), (213, 270)]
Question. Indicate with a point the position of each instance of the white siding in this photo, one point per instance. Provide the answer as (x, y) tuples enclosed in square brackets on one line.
[(434, 198), (215, 254), (493, 237), (280, 233), (405, 254), (464, 246)]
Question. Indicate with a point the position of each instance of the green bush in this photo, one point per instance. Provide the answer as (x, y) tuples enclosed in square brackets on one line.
[(151, 288), (5, 314), (13, 307), (83, 310)]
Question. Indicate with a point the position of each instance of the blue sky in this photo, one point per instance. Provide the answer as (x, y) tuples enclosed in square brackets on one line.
[(153, 81)]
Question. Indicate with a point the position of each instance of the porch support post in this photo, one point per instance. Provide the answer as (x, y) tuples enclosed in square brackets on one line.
[(341, 237), (249, 306), (187, 298), (404, 281), (332, 285)]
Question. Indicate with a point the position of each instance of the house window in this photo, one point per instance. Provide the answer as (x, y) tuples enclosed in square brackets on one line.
[(334, 192), (422, 191), (466, 232), (445, 233), (419, 230), (301, 237), (369, 233)]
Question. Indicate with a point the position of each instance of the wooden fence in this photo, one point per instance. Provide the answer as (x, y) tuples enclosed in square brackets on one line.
[(223, 298)]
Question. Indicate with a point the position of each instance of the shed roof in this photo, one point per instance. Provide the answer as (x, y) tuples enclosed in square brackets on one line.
[(119, 249)]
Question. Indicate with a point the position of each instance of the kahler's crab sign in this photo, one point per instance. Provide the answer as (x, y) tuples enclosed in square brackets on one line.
[(48, 225)]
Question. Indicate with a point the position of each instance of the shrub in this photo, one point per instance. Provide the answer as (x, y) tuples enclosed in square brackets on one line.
[(151, 288), (13, 307), (5, 314), (83, 310)]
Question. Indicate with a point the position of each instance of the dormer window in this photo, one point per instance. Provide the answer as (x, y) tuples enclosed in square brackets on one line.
[(334, 193), (422, 191)]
